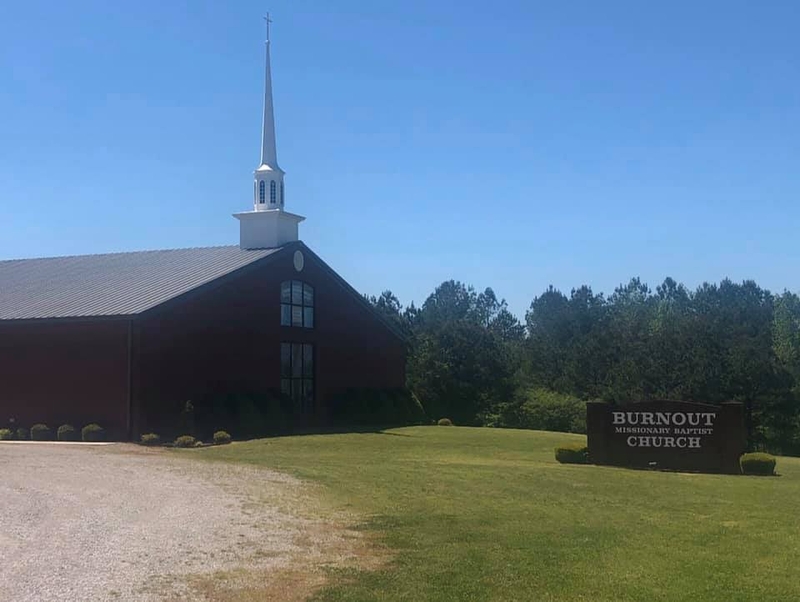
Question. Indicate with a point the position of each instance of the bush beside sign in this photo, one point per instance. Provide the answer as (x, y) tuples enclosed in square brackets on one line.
[(674, 435)]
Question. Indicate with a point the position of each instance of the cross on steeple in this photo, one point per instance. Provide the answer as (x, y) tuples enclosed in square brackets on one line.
[(268, 20)]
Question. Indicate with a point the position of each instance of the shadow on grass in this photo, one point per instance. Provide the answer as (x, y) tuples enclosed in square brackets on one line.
[(664, 469), (335, 430)]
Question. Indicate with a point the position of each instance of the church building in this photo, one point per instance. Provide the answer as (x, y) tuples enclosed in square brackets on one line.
[(125, 339)]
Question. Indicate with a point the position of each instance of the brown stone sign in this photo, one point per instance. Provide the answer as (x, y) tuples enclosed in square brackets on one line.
[(674, 435)]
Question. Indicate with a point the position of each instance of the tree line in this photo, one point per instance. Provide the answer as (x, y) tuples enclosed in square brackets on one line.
[(470, 359)]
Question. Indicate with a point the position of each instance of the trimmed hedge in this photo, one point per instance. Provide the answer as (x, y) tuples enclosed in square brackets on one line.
[(6, 434), (572, 453), (23, 434), (445, 422), (757, 464), (221, 438), (150, 439), (40, 432), (185, 441), (93, 432), (67, 432)]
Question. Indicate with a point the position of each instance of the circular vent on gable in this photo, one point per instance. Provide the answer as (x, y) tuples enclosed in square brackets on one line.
[(299, 261)]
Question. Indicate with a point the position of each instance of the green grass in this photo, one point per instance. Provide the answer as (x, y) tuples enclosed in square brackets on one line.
[(487, 514)]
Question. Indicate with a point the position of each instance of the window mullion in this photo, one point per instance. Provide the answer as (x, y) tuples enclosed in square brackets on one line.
[(297, 304)]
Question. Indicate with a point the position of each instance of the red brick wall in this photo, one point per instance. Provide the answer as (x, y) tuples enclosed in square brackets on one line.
[(228, 339), (64, 372), (225, 338)]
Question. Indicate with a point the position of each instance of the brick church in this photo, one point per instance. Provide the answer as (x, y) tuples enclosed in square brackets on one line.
[(123, 339)]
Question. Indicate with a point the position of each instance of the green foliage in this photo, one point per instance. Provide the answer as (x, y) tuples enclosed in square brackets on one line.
[(718, 343), (757, 463), (23, 434), (388, 306), (444, 422), (93, 433), (545, 410), (40, 432), (572, 453), (786, 333), (6, 434), (471, 360), (461, 370), (377, 407), (221, 438), (776, 422), (415, 410), (185, 441), (464, 350), (567, 347), (67, 432), (150, 439)]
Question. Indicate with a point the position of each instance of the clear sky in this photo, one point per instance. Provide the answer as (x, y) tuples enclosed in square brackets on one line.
[(511, 144)]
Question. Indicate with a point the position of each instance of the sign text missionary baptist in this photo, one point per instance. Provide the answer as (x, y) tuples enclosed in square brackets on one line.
[(664, 429), (666, 434)]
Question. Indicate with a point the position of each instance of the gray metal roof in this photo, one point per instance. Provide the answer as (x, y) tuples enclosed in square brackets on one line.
[(113, 284)]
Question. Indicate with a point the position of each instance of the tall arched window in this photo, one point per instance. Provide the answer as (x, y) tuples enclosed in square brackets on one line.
[(261, 192), (281, 193), (272, 192), (297, 304)]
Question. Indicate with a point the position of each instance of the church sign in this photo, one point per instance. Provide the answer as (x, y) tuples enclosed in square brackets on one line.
[(674, 435)]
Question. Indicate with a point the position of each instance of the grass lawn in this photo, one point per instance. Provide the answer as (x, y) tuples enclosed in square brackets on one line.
[(488, 514)]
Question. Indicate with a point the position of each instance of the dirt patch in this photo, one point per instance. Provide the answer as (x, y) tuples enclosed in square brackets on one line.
[(128, 523)]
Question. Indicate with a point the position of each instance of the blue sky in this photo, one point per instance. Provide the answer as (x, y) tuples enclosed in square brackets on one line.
[(505, 144)]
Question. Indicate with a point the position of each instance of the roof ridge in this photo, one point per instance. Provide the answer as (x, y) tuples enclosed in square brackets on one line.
[(120, 253)]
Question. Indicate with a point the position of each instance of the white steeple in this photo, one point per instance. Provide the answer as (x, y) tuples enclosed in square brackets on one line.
[(269, 153), (268, 224), (268, 187)]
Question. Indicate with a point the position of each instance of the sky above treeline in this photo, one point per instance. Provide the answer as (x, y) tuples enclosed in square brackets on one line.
[(510, 144)]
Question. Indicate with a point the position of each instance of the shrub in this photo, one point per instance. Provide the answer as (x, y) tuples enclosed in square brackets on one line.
[(221, 438), (445, 422), (6, 434), (185, 441), (757, 464), (199, 444), (23, 434), (67, 432), (544, 410), (572, 453), (40, 432), (150, 439), (93, 432)]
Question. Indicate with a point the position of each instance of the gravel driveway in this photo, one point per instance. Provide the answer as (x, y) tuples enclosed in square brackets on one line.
[(125, 523)]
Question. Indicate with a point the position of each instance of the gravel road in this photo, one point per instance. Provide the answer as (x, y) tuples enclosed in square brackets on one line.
[(125, 523)]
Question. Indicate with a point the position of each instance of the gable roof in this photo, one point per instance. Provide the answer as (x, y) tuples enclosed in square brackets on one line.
[(113, 284), (361, 299)]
